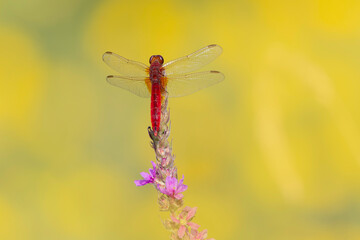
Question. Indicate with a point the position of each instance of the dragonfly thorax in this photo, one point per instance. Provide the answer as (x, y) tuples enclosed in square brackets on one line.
[(155, 70)]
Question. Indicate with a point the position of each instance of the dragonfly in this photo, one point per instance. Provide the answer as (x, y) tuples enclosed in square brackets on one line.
[(175, 78)]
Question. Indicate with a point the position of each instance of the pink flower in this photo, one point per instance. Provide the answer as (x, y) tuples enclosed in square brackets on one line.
[(184, 218), (172, 188), (148, 177), (195, 235)]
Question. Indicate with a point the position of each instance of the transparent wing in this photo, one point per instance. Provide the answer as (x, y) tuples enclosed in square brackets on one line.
[(182, 85), (193, 61), (125, 66), (136, 85)]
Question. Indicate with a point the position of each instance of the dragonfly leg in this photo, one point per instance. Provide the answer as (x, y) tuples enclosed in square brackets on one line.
[(151, 133)]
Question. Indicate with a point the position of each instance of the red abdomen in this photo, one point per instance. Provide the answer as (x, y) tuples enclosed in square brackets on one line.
[(155, 106)]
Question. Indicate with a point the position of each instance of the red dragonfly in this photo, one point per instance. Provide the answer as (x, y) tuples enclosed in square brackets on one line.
[(173, 77)]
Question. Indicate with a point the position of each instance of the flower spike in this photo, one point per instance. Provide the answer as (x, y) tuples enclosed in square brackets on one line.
[(164, 177)]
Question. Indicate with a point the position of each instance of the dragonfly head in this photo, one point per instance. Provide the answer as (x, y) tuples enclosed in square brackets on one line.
[(157, 58)]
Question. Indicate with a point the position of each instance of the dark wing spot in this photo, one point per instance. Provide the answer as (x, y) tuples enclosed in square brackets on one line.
[(105, 54), (212, 45)]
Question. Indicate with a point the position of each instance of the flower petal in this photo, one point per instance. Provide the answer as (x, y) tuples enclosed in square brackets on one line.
[(178, 196), (174, 219), (181, 188), (152, 171), (187, 209), (168, 183), (181, 180), (193, 234), (181, 231), (193, 225), (153, 164), (191, 213), (173, 183), (145, 175), (141, 182), (203, 234)]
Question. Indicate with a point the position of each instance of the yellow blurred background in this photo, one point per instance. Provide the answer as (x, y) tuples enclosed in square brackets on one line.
[(273, 152)]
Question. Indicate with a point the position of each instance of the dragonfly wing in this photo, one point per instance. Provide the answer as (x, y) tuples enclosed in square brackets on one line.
[(125, 66), (194, 61), (182, 85), (140, 86)]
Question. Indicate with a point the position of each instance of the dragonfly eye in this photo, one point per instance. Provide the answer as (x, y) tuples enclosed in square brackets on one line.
[(151, 59), (161, 59)]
